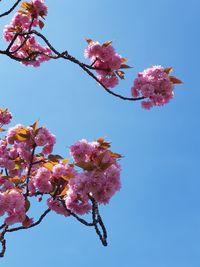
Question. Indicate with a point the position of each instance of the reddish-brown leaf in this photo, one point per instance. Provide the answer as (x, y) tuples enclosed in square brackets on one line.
[(89, 41), (34, 126), (105, 166), (17, 180), (106, 43), (54, 158), (41, 24), (26, 222), (65, 161), (87, 166), (168, 70), (64, 192), (27, 6), (48, 165), (115, 155), (21, 137), (100, 158), (27, 204), (123, 60), (103, 143), (124, 66), (68, 177), (120, 74), (175, 80), (22, 134)]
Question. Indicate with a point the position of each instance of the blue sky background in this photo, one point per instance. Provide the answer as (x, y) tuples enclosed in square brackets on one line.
[(154, 220)]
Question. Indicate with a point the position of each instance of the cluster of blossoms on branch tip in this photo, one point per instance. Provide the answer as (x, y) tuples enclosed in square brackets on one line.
[(107, 63), (155, 85), (25, 45), (5, 117), (29, 169)]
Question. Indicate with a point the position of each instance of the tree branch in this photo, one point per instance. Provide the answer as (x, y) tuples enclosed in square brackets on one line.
[(81, 220), (29, 168), (65, 55), (98, 221), (10, 10), (3, 241), (32, 225)]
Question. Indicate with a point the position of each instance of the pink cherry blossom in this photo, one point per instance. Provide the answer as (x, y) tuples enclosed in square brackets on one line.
[(77, 204), (42, 180), (12, 203), (58, 207), (5, 116), (40, 8), (82, 150), (105, 61), (28, 50), (26, 173), (154, 85)]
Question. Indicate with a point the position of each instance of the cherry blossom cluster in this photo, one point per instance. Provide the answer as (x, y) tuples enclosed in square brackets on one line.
[(100, 177), (12, 202), (24, 45), (106, 61), (5, 117), (155, 85), (29, 169)]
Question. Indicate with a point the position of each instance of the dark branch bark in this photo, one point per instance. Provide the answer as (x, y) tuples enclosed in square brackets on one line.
[(7, 230), (32, 225), (85, 67), (98, 222), (29, 168), (10, 10), (3, 241), (81, 220)]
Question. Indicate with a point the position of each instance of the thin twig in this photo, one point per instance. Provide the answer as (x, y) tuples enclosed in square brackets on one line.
[(65, 55), (32, 225), (98, 221), (3, 241), (25, 38), (2, 226), (81, 220), (30, 167), (85, 67), (10, 10)]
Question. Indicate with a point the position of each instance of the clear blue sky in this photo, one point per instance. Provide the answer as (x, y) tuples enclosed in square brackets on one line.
[(154, 220)]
